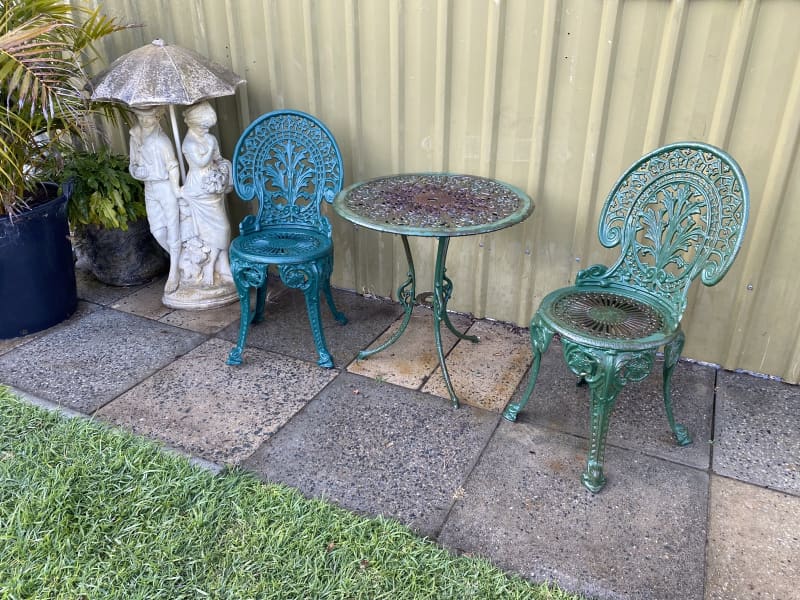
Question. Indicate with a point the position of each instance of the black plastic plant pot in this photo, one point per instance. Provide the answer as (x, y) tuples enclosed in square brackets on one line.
[(37, 270)]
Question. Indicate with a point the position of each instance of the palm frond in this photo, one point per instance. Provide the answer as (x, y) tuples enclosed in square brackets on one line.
[(45, 47)]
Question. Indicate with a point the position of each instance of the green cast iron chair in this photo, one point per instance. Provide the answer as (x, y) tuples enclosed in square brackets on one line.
[(290, 163), (679, 212)]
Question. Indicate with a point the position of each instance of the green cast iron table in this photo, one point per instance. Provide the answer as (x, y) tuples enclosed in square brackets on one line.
[(440, 205)]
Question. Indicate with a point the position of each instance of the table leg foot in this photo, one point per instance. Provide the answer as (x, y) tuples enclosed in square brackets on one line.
[(462, 336)]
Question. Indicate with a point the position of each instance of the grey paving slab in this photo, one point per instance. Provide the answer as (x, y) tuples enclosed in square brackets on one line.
[(642, 536), (376, 448), (83, 309), (286, 329), (145, 302), (215, 411), (753, 543), (756, 431), (92, 359), (639, 421), (92, 290), (208, 321)]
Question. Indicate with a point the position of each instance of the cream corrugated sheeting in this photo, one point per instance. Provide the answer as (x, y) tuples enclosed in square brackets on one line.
[(555, 97)]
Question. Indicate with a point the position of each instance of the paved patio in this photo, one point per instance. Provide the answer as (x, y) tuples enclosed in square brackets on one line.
[(717, 519)]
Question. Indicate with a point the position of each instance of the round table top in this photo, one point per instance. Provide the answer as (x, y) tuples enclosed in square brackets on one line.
[(433, 204)]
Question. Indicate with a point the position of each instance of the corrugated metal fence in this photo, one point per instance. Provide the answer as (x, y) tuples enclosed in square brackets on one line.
[(557, 97)]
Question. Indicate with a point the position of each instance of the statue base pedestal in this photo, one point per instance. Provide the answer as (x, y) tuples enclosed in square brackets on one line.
[(200, 297)]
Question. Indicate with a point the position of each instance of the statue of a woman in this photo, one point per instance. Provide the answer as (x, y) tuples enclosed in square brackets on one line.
[(207, 181), (152, 160)]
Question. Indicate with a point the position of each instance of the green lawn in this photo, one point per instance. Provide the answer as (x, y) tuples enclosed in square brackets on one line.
[(88, 512)]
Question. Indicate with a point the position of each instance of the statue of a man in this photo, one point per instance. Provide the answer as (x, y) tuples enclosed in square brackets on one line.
[(153, 161)]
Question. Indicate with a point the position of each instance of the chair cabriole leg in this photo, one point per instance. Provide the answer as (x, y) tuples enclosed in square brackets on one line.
[(326, 289), (261, 299), (312, 306), (606, 372), (306, 277), (245, 277), (541, 336), (672, 353), (603, 392)]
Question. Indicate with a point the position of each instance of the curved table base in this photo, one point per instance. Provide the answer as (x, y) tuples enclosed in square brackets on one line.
[(442, 291)]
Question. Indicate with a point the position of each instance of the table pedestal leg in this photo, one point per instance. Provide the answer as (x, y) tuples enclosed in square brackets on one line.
[(405, 296), (442, 290)]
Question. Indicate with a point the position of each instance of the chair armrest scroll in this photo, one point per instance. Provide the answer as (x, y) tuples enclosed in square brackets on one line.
[(594, 275), (248, 225)]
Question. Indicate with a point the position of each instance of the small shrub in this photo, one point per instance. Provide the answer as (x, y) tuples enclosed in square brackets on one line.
[(104, 193)]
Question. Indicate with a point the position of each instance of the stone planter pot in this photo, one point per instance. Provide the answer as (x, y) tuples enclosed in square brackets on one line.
[(121, 258)]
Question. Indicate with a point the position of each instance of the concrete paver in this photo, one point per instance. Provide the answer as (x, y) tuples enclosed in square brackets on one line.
[(95, 358), (753, 543), (523, 506), (218, 412), (412, 359), (286, 329), (378, 449), (757, 425), (204, 321), (486, 373), (145, 301), (82, 309)]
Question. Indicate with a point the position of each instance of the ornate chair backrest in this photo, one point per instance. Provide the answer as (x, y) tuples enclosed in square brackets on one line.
[(678, 212), (290, 162)]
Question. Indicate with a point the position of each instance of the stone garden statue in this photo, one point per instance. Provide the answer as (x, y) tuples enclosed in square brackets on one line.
[(190, 221)]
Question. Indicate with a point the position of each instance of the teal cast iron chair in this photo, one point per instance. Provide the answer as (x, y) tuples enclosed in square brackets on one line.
[(290, 163), (679, 212)]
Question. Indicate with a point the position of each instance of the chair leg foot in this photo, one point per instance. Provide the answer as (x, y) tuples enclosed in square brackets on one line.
[(682, 436), (593, 479), (325, 361), (243, 285), (512, 410), (234, 357)]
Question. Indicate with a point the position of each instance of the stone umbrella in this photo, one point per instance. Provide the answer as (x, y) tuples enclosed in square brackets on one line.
[(159, 74)]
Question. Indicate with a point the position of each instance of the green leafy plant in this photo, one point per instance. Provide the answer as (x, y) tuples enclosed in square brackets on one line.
[(103, 191), (45, 49)]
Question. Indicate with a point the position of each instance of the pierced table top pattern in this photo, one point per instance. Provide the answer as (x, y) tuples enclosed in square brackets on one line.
[(433, 204)]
